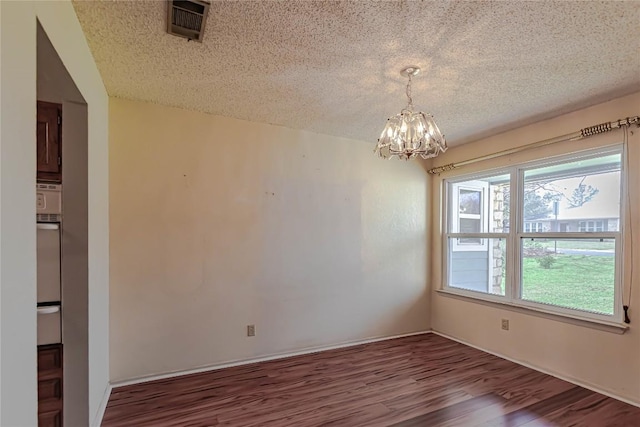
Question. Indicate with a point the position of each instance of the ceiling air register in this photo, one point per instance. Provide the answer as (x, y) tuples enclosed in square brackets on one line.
[(187, 18)]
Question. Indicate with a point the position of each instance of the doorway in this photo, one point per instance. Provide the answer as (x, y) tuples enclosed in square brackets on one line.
[(55, 85)]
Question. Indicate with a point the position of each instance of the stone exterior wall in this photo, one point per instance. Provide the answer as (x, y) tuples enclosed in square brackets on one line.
[(497, 246)]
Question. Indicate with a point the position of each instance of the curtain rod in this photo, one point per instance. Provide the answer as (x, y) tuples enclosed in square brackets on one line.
[(582, 133)]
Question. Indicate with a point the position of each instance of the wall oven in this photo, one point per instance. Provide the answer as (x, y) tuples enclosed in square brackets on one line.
[(49, 221)]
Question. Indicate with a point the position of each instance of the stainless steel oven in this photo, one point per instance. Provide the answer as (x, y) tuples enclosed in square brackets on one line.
[(49, 223)]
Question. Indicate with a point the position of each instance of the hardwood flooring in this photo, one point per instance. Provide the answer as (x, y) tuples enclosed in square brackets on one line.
[(423, 380)]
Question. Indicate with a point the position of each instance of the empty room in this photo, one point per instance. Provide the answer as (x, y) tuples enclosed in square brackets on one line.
[(319, 213)]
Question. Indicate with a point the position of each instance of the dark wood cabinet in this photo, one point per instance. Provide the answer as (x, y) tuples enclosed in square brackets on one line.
[(50, 385), (49, 136), (50, 419)]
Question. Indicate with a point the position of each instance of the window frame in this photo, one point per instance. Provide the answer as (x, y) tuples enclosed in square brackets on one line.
[(516, 233), (484, 203)]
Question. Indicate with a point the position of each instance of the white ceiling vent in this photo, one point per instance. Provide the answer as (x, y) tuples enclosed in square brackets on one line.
[(186, 18)]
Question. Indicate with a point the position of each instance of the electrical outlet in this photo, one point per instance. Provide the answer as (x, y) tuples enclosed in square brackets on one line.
[(251, 330), (505, 324)]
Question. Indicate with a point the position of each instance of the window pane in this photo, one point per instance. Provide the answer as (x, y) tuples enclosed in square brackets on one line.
[(581, 196), (571, 273), (470, 202), (470, 226), (480, 205), (478, 270)]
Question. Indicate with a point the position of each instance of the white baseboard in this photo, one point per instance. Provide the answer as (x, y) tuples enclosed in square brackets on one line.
[(240, 362), (569, 379), (97, 421)]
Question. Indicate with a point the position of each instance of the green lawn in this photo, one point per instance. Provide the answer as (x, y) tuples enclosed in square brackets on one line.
[(574, 281)]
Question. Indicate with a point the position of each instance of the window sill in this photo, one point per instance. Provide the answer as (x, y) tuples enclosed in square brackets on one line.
[(602, 325)]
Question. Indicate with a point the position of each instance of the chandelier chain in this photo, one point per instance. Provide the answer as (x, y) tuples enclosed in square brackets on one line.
[(408, 92)]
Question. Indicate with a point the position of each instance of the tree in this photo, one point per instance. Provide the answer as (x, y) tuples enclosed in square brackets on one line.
[(536, 206), (581, 195), (539, 197)]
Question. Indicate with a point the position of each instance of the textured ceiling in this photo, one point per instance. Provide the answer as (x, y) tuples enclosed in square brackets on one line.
[(333, 67)]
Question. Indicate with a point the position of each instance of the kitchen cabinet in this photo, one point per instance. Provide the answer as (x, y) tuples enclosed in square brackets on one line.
[(49, 137), (50, 385)]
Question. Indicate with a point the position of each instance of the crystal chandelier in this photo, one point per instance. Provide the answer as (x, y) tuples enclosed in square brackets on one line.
[(410, 133)]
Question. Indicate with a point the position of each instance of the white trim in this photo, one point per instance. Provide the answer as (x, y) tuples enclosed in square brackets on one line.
[(97, 421), (567, 378), (240, 362), (512, 268), (571, 235), (573, 156), (479, 235)]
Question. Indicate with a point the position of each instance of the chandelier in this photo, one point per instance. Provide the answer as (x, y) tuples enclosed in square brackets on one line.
[(410, 133)]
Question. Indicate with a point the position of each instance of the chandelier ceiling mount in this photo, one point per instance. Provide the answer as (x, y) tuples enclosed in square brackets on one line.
[(410, 71)]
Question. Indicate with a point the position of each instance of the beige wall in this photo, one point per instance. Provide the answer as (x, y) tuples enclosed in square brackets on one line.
[(604, 360), (219, 223), (18, 390)]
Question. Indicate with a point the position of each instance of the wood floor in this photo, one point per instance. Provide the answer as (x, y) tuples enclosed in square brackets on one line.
[(424, 380)]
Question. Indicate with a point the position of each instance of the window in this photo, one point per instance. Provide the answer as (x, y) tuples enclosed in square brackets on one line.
[(564, 254), (591, 226), (530, 227), (470, 202), (477, 238)]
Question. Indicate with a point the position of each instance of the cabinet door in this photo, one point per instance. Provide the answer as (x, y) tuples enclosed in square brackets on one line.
[(50, 418), (49, 136), (50, 378)]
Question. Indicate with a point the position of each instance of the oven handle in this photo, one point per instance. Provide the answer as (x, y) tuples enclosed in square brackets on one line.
[(47, 226), (50, 309)]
